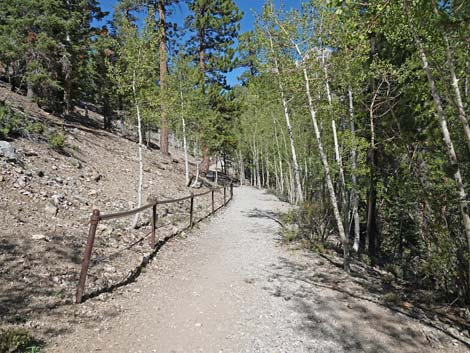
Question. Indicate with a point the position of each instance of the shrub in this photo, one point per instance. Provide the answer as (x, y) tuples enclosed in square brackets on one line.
[(57, 141), (35, 128), (15, 340), (9, 122)]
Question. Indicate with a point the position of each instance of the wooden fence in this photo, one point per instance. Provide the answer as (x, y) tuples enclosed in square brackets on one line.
[(97, 217)]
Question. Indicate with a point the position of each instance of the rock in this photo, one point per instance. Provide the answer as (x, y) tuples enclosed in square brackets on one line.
[(39, 237), (30, 154), (51, 209), (92, 192), (76, 163), (29, 173), (40, 173), (97, 177), (22, 181), (8, 151), (2, 178), (57, 199), (54, 167)]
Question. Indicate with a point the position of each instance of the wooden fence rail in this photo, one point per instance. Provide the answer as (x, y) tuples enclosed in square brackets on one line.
[(96, 217)]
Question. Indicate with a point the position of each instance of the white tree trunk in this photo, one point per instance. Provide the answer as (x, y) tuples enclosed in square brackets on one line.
[(342, 179), (299, 193), (329, 182), (446, 134), (141, 161), (185, 145), (458, 96), (333, 199), (354, 195), (241, 168), (196, 180), (341, 172), (281, 175)]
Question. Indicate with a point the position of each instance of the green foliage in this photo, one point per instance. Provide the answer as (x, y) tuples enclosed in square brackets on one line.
[(35, 128), (17, 340), (56, 141), (10, 122), (392, 298), (390, 139), (215, 26)]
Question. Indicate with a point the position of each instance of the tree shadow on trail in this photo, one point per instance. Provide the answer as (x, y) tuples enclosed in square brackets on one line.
[(264, 214), (349, 310)]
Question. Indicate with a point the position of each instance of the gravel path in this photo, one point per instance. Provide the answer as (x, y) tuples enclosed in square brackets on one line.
[(230, 286)]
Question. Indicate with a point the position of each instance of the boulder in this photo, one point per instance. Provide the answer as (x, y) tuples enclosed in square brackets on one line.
[(8, 151)]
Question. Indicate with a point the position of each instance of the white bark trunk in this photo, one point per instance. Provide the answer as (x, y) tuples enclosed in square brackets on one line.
[(456, 88), (329, 182), (354, 195), (141, 161), (299, 194), (446, 134), (241, 169), (341, 172), (185, 145), (333, 199), (281, 175), (196, 180)]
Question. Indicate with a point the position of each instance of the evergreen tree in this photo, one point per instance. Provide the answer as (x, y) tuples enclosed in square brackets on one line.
[(215, 26)]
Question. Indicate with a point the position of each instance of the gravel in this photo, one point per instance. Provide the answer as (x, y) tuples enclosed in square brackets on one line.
[(232, 286)]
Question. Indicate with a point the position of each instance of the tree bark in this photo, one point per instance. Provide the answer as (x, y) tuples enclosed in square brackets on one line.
[(456, 88), (281, 173), (354, 194), (333, 199), (164, 133), (298, 186), (141, 161), (185, 144)]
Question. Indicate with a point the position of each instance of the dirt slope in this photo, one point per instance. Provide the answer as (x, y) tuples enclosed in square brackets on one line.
[(233, 287), (46, 198)]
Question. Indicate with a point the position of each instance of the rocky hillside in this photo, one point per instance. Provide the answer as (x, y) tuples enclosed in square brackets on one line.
[(46, 197)]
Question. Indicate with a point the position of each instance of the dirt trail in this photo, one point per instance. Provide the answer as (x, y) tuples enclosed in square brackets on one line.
[(230, 286)]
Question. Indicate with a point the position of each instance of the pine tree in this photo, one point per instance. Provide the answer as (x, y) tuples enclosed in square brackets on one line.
[(215, 26)]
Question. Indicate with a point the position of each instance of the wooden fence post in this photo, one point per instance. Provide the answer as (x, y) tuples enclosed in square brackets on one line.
[(153, 238), (191, 210), (94, 220), (225, 195), (231, 190), (213, 205)]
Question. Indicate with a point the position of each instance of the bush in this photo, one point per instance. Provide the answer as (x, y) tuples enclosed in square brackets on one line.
[(35, 128), (9, 122), (17, 340), (57, 141)]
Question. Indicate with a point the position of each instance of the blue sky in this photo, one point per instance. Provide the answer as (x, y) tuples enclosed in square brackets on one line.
[(247, 6)]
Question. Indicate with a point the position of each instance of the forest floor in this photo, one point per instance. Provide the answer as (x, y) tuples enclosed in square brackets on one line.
[(233, 286)]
